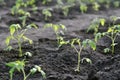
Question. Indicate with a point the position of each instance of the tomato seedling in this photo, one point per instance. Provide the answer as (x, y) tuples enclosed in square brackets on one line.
[(20, 66), (82, 45), (57, 29), (18, 34), (112, 34)]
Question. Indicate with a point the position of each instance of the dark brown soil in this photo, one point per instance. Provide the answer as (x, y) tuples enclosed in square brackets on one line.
[(60, 64)]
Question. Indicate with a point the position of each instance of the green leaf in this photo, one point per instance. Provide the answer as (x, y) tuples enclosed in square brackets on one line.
[(8, 48), (92, 44), (102, 22), (32, 25), (98, 36), (33, 70), (43, 74), (84, 43), (63, 27), (12, 29), (11, 64), (11, 72), (7, 41), (27, 39), (83, 7), (106, 50), (87, 60), (28, 54)]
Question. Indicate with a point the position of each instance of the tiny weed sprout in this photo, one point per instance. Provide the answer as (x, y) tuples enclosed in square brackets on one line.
[(18, 34), (57, 28), (47, 13), (20, 66), (81, 46), (111, 33)]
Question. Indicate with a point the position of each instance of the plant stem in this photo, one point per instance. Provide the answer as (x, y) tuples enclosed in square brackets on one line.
[(113, 42), (24, 75), (20, 49), (27, 75), (78, 65), (113, 46), (79, 52)]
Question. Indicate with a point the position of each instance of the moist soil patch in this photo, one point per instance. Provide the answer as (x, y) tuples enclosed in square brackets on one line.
[(60, 64)]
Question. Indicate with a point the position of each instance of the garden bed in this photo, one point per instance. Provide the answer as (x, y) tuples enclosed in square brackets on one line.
[(60, 64)]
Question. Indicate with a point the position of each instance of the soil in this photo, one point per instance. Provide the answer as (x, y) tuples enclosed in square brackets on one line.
[(60, 64)]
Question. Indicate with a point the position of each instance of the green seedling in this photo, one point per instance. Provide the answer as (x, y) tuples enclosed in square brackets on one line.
[(46, 1), (60, 2), (65, 10), (112, 34), (47, 13), (96, 6), (18, 34), (24, 18), (108, 3), (116, 4), (57, 28), (70, 1), (20, 66), (83, 7), (19, 6), (82, 45), (94, 26)]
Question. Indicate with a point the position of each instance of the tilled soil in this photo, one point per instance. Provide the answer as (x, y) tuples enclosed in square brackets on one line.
[(59, 64)]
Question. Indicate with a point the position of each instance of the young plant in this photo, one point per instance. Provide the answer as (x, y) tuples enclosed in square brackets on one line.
[(116, 4), (18, 34), (24, 18), (65, 10), (57, 28), (95, 24), (112, 34), (47, 13), (46, 1), (82, 45), (83, 7), (20, 66), (19, 6), (96, 6)]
